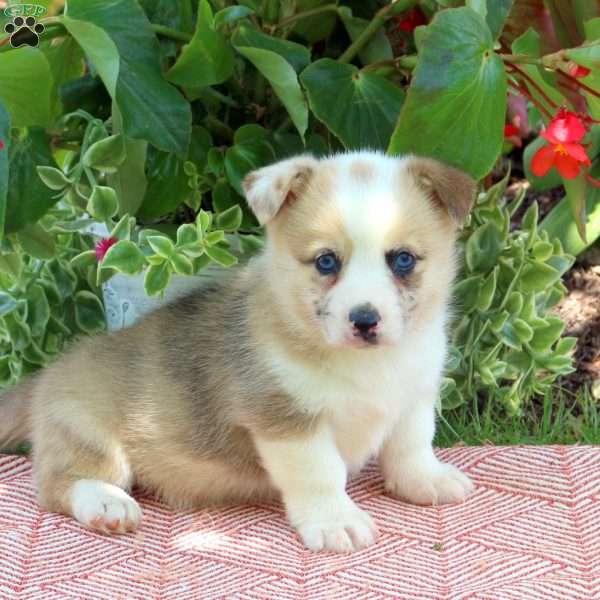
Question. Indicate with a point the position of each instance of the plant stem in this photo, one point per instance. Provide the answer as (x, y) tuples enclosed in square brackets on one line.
[(394, 8), (534, 85), (408, 61), (219, 127), (305, 14), (169, 32), (228, 101), (578, 83), (271, 10)]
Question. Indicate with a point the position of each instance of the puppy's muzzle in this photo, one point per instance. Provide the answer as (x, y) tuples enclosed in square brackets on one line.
[(365, 319)]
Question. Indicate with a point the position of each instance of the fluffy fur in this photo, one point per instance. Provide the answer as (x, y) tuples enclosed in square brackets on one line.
[(256, 385)]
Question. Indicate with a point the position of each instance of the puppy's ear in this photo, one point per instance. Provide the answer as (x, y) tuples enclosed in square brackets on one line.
[(269, 189), (447, 187)]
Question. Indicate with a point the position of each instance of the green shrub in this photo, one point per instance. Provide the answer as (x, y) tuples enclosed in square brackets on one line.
[(145, 117)]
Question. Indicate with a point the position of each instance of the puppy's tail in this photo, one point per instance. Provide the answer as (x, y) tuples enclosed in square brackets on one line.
[(15, 409)]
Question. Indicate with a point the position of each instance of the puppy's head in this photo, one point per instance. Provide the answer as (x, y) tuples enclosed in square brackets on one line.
[(360, 246)]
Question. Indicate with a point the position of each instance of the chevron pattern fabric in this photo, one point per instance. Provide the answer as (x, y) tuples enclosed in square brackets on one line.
[(530, 531)]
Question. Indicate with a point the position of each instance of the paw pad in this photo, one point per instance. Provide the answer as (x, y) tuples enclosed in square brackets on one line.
[(24, 32)]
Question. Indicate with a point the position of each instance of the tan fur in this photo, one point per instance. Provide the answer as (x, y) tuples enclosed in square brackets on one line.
[(176, 403)]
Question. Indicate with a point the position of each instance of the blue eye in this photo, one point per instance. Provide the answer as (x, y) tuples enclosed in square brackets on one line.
[(327, 264), (402, 263)]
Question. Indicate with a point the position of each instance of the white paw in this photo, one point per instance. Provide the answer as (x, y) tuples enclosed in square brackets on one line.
[(103, 506), (338, 527), (438, 483)]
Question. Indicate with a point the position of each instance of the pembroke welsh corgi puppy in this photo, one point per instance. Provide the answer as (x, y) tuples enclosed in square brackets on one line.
[(279, 378)]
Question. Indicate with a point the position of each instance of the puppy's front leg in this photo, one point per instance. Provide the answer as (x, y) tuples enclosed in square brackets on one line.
[(311, 476), (411, 469)]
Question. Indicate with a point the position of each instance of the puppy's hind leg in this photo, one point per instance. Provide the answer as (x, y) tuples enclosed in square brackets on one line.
[(85, 478)]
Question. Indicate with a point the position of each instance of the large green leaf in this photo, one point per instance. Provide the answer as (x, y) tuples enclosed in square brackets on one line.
[(167, 182), (99, 49), (129, 180), (378, 47), (207, 59), (66, 63), (283, 80), (297, 55), (151, 108), (4, 130), (26, 86), (497, 12), (359, 108), (28, 198), (456, 103)]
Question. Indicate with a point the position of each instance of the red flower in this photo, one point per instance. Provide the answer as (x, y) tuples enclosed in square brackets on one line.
[(579, 71), (411, 20), (1, 145), (103, 245), (564, 152), (510, 130)]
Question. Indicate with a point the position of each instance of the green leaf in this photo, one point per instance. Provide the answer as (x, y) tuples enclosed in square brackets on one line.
[(186, 234), (230, 219), (457, 98), (106, 155), (125, 257), (7, 303), (84, 260), (296, 55), (157, 278), (4, 131), (231, 14), (483, 248), (89, 312), (220, 256), (371, 103), (55, 179), (479, 6), (36, 241), (497, 12), (377, 49), (523, 330), (244, 157), (487, 291), (283, 80), (38, 310), (214, 237), (151, 108), (576, 190), (99, 49), (208, 59), (63, 277), (536, 277), (26, 87), (28, 199), (182, 264), (129, 180), (162, 245), (544, 337), (167, 180), (103, 203)]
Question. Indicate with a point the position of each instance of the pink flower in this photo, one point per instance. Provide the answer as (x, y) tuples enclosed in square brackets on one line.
[(579, 71), (103, 246), (1, 144)]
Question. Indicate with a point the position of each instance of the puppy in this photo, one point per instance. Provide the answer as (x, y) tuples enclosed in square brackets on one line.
[(279, 378)]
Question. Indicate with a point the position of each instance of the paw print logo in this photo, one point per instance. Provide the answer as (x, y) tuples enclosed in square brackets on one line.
[(24, 32)]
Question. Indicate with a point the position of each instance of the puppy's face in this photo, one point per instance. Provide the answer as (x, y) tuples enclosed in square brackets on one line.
[(360, 246)]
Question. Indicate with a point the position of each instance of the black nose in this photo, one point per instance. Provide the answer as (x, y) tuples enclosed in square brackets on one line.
[(365, 318)]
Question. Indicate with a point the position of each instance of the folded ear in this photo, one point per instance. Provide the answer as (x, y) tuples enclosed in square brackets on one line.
[(447, 187), (271, 188)]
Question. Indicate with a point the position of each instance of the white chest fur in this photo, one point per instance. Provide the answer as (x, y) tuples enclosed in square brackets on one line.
[(363, 393)]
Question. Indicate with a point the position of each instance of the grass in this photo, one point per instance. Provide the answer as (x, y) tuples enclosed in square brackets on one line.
[(559, 418)]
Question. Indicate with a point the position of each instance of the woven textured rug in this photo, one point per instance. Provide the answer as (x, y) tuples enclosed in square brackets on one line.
[(530, 531)]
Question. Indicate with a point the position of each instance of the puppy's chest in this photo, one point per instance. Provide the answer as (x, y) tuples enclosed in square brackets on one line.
[(361, 406)]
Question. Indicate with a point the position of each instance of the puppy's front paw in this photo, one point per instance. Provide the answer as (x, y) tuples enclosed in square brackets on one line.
[(440, 483), (103, 506), (338, 528)]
